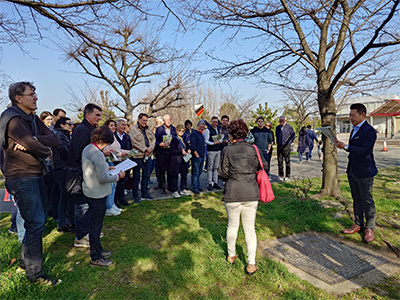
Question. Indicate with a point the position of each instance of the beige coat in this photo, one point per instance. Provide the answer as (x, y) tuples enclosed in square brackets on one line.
[(138, 142)]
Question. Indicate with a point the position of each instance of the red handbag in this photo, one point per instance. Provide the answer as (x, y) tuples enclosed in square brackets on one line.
[(266, 192)]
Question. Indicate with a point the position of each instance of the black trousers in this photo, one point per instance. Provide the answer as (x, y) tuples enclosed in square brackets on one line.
[(163, 159), (175, 170), (363, 203), (97, 210), (284, 154)]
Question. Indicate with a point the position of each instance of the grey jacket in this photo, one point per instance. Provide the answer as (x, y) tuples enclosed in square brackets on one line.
[(238, 168), (96, 179)]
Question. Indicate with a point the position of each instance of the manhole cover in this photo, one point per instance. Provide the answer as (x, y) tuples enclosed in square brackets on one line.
[(326, 259)]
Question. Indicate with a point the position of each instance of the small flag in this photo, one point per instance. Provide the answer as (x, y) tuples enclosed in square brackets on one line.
[(199, 108), (7, 196)]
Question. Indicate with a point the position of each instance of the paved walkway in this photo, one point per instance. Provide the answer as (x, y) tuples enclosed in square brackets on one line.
[(311, 169)]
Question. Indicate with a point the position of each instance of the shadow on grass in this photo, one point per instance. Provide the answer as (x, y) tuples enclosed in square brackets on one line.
[(213, 221)]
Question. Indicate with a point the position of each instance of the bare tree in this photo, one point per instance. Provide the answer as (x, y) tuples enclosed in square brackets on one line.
[(25, 20), (132, 56), (242, 106), (302, 104), (89, 94), (339, 44)]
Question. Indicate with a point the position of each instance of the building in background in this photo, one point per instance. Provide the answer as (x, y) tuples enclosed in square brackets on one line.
[(380, 123)]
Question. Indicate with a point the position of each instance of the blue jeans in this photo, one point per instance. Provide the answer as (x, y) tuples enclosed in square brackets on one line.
[(146, 169), (301, 156), (110, 198), (97, 209), (197, 169), (31, 195), (20, 227), (309, 154)]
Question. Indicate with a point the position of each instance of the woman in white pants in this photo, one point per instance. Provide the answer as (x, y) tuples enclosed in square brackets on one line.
[(239, 166)]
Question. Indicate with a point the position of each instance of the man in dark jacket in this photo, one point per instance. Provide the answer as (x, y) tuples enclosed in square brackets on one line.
[(361, 170), (126, 144), (284, 137), (26, 142), (311, 135), (79, 140), (263, 140), (162, 150), (198, 148)]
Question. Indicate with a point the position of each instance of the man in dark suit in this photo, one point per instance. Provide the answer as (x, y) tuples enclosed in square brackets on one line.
[(361, 170), (163, 154), (284, 137)]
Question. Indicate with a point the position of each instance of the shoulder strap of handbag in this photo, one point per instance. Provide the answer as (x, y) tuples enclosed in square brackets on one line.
[(258, 155)]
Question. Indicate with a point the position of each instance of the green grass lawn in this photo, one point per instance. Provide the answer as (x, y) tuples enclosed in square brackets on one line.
[(176, 249)]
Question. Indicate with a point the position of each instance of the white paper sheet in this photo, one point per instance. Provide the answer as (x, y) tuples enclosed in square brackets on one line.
[(327, 131), (123, 166)]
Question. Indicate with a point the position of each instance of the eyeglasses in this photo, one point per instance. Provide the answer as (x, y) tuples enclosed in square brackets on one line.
[(68, 123), (31, 95)]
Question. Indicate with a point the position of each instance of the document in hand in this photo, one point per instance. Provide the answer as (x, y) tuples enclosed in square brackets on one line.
[(123, 166), (327, 131), (187, 157)]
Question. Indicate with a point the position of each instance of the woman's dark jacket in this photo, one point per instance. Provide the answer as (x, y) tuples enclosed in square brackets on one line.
[(238, 167), (176, 148), (60, 153), (304, 143)]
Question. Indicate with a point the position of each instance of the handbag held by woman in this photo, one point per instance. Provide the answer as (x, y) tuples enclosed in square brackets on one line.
[(266, 193)]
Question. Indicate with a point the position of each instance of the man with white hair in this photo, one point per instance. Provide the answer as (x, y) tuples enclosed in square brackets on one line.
[(163, 133), (125, 141), (284, 137)]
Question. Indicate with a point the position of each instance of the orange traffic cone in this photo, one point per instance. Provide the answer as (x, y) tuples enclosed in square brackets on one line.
[(384, 147)]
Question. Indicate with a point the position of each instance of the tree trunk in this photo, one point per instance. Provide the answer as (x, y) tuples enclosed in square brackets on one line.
[(330, 181), (128, 110)]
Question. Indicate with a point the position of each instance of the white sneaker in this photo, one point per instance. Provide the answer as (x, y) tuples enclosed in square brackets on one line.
[(176, 194), (116, 208), (185, 193), (286, 179), (112, 212), (109, 212), (281, 179)]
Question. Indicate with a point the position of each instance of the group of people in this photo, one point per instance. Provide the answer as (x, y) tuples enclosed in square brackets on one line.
[(82, 164)]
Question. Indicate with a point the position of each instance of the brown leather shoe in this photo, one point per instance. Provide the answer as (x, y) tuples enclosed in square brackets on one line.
[(355, 228), (369, 235), (251, 269), (231, 259)]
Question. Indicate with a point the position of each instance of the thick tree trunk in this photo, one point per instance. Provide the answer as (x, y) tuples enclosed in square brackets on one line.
[(330, 180)]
